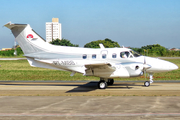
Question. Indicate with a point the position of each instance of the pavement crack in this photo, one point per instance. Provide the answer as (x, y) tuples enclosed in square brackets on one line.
[(47, 106), (117, 106), (156, 104), (93, 99)]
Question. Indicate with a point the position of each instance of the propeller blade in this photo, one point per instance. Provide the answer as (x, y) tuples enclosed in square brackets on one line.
[(146, 66), (145, 73), (144, 60)]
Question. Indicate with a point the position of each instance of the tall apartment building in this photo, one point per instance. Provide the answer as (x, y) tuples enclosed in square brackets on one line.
[(53, 30)]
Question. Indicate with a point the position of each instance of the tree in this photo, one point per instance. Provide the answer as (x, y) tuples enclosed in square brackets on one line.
[(152, 50), (155, 50), (63, 42), (108, 43), (19, 50)]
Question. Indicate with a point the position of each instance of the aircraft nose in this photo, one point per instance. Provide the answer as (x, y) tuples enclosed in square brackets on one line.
[(173, 66), (159, 65), (166, 65)]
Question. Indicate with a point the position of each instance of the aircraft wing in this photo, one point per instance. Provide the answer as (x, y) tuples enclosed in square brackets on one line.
[(99, 65), (99, 69)]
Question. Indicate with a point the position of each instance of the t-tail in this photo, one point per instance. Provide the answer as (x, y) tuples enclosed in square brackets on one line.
[(27, 38)]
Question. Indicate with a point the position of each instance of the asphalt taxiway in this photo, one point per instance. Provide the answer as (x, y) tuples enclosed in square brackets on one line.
[(82, 100), (89, 107), (57, 88)]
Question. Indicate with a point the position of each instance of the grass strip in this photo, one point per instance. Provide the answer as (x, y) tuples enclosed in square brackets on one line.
[(21, 70)]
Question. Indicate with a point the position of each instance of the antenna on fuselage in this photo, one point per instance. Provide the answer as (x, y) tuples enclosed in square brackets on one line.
[(101, 46)]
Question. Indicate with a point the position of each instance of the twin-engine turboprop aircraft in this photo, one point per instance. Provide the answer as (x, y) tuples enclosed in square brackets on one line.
[(106, 63)]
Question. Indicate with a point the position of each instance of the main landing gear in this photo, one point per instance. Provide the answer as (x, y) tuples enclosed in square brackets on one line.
[(103, 83), (147, 83)]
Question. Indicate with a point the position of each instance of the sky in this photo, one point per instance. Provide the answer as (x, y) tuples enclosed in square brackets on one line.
[(133, 23)]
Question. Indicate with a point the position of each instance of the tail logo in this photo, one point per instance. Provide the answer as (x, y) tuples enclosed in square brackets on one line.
[(29, 36)]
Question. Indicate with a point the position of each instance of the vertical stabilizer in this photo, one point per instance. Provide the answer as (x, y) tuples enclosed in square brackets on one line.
[(27, 38)]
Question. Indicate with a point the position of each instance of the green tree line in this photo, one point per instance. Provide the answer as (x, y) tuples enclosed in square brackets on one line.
[(155, 50), (108, 43), (11, 52), (63, 42)]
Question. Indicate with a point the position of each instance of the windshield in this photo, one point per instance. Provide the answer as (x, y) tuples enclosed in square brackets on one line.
[(135, 54)]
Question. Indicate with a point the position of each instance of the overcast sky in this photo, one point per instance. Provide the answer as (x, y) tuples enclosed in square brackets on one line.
[(133, 23)]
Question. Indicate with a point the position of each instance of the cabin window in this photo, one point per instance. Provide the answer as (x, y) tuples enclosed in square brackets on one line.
[(94, 56), (124, 54), (84, 56), (104, 56), (114, 55)]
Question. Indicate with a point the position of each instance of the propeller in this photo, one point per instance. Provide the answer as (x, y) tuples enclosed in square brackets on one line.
[(144, 70), (145, 67)]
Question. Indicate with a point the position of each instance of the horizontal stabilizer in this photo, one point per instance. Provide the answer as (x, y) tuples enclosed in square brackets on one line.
[(12, 25)]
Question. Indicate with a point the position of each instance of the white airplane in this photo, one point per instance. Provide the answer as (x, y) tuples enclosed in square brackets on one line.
[(106, 63)]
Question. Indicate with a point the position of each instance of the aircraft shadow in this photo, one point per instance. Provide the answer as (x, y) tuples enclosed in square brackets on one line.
[(93, 86), (90, 86)]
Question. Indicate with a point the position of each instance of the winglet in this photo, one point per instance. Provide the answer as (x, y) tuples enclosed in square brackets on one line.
[(101, 46)]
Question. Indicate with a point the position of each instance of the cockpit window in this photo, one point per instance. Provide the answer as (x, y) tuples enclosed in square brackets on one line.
[(124, 54), (135, 54)]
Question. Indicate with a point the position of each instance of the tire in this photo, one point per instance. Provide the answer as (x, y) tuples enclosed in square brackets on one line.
[(102, 85), (110, 82), (146, 83)]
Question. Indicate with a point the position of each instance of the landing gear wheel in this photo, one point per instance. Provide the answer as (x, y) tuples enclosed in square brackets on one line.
[(110, 82), (102, 85), (146, 83)]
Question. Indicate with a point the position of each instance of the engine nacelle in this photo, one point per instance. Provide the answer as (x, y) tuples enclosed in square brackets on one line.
[(134, 69)]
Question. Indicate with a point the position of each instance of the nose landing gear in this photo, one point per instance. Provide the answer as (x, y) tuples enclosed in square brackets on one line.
[(147, 83)]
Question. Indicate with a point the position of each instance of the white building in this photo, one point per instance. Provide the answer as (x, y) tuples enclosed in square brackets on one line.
[(53, 30)]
